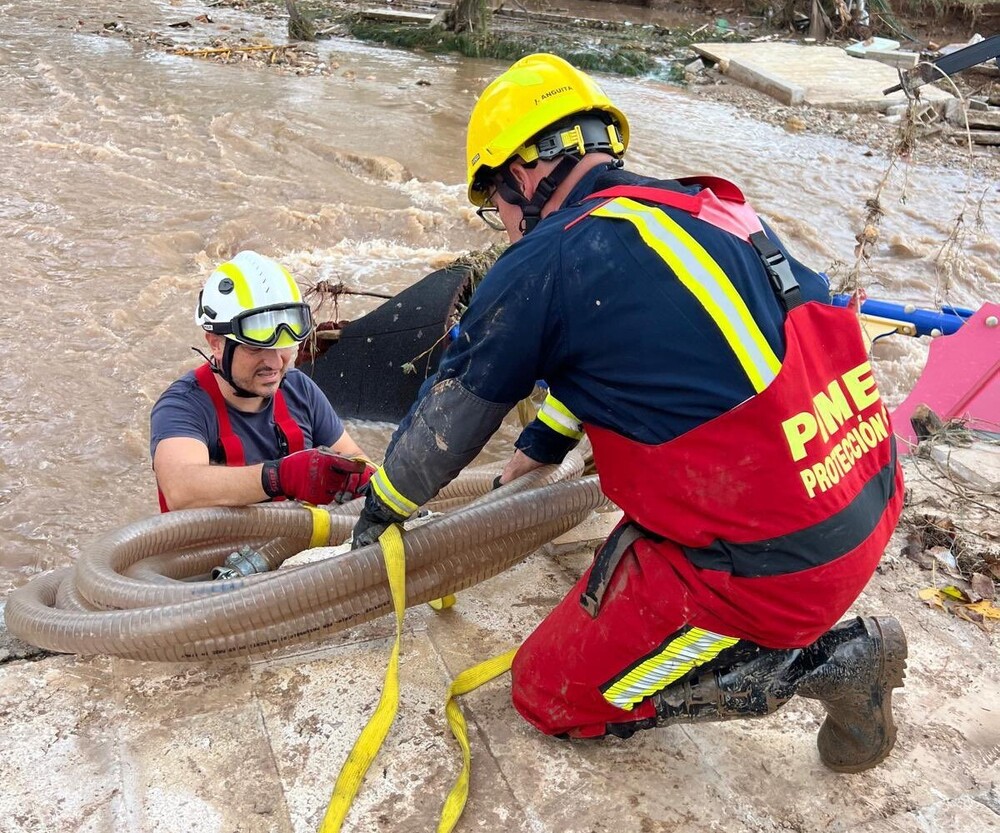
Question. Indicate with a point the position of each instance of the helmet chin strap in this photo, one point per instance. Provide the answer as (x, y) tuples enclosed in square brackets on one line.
[(226, 371), (531, 210)]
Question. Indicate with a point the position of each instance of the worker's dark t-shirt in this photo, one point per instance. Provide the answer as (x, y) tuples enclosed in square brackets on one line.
[(185, 410)]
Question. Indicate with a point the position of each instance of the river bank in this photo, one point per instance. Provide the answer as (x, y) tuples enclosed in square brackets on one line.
[(605, 36), (254, 744), (195, 34)]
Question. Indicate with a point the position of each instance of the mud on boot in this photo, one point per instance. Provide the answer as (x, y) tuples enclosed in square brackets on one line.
[(756, 684), (858, 664)]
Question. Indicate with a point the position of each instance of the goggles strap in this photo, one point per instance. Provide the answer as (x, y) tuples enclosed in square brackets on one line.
[(201, 353), (226, 371)]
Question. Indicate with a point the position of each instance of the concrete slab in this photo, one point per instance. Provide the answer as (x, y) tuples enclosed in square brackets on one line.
[(59, 758), (977, 466), (826, 75), (751, 75), (862, 48)]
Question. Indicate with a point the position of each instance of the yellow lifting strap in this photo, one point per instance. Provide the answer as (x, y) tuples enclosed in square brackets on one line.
[(468, 680), (321, 526), (372, 736), (443, 603)]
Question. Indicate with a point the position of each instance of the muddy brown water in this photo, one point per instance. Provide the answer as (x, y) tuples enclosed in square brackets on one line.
[(128, 173)]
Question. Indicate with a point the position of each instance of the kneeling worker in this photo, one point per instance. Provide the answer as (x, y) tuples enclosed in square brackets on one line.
[(246, 426), (733, 417)]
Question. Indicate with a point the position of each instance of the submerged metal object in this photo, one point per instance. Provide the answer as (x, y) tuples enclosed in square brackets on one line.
[(244, 562), (375, 369)]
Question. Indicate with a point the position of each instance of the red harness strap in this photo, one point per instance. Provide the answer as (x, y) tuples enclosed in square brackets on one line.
[(294, 438), (232, 446), (719, 202)]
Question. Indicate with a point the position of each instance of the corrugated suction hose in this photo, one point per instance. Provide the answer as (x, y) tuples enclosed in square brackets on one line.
[(127, 594)]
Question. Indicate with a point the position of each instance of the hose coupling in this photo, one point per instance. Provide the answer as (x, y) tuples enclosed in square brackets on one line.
[(244, 562)]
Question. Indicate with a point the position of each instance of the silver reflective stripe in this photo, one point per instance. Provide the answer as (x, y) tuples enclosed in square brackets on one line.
[(559, 418), (689, 650), (390, 496), (704, 278)]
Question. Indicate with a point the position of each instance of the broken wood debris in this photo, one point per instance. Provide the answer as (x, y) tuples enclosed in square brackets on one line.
[(293, 57), (221, 50), (950, 518)]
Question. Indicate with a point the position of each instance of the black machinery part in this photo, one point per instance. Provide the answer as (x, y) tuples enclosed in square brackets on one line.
[(365, 373)]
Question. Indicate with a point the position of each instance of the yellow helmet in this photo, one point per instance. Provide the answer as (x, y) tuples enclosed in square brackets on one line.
[(535, 93)]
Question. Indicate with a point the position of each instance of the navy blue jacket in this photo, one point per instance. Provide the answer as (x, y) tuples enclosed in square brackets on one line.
[(603, 320)]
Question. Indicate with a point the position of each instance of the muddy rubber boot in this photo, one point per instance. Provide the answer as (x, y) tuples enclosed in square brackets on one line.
[(754, 687), (857, 665)]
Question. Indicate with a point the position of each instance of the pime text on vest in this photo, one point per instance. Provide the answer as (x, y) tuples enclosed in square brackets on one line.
[(838, 416)]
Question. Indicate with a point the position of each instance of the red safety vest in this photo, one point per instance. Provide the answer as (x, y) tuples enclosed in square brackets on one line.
[(790, 480), (784, 481), (232, 446)]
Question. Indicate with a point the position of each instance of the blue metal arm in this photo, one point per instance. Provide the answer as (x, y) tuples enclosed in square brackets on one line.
[(944, 321)]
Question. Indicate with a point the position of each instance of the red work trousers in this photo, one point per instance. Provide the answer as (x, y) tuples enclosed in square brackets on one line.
[(559, 671)]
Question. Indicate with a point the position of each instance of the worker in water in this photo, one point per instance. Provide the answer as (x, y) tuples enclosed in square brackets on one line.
[(246, 426), (733, 417)]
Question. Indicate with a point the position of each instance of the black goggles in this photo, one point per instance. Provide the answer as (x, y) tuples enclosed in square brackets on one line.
[(268, 326)]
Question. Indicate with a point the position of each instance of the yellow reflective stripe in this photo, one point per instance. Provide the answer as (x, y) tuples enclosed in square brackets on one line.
[(691, 649), (704, 279), (560, 418), (321, 526), (244, 295), (467, 681), (370, 740), (293, 288), (389, 495)]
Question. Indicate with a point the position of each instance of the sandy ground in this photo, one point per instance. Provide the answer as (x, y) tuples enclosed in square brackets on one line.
[(100, 744)]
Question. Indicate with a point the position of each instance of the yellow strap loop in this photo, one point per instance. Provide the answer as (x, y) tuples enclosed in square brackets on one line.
[(443, 603), (321, 526), (468, 680), (372, 736)]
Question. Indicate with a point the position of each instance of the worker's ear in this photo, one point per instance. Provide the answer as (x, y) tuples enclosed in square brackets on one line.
[(525, 178), (216, 344)]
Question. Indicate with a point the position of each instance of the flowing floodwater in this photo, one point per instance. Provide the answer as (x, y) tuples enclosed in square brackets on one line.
[(128, 172)]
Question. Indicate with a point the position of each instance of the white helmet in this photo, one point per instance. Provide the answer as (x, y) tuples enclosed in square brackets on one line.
[(253, 300)]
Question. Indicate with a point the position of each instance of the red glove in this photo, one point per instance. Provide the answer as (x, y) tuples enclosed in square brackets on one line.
[(317, 475)]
